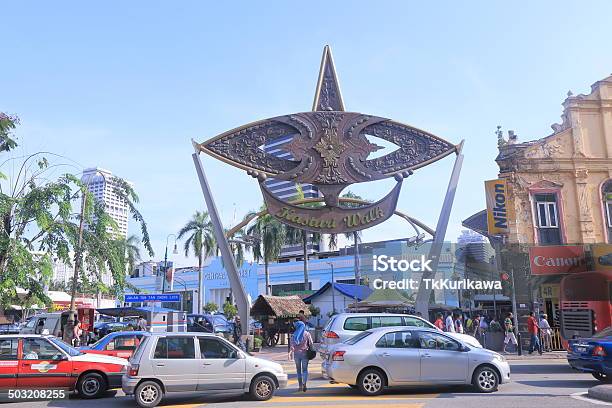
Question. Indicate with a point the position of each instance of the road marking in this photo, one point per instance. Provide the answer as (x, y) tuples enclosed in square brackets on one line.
[(581, 396), (295, 400), (402, 405)]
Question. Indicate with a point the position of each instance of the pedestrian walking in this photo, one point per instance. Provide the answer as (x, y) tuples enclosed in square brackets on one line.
[(450, 323), (439, 323), (237, 332), (299, 344), (142, 324), (458, 323), (509, 331), (76, 334), (546, 332), (532, 328), (475, 326)]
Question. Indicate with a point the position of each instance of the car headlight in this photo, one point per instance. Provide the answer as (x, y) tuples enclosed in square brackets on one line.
[(499, 357)]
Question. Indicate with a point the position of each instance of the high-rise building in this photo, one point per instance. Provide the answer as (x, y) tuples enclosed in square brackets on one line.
[(101, 185), (476, 246), (287, 190)]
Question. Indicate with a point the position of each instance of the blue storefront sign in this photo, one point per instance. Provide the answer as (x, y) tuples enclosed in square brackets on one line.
[(154, 297)]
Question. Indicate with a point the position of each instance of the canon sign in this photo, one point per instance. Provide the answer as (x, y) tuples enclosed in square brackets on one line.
[(553, 260)]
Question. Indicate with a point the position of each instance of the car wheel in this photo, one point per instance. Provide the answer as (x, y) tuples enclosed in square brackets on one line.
[(485, 379), (371, 382), (148, 394), (91, 385), (602, 377), (262, 388)]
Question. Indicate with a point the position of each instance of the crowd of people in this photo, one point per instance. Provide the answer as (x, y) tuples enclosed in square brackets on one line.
[(478, 325)]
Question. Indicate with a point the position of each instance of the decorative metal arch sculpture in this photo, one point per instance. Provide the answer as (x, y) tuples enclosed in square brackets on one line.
[(330, 150)]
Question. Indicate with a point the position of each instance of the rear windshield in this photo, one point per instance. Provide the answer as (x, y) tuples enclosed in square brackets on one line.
[(357, 338), (140, 348), (607, 332)]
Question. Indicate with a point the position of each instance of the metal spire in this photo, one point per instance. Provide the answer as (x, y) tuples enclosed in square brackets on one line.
[(328, 96)]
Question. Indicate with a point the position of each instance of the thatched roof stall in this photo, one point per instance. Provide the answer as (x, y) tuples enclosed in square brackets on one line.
[(280, 307)]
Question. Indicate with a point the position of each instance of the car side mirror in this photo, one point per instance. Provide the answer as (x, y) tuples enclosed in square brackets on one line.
[(465, 348)]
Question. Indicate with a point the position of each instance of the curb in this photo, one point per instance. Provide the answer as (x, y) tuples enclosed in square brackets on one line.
[(601, 392)]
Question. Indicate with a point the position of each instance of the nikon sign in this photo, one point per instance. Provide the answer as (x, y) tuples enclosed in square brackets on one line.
[(498, 207)]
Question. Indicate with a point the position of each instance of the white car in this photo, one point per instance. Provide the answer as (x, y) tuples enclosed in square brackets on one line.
[(197, 362), (343, 326), (392, 356)]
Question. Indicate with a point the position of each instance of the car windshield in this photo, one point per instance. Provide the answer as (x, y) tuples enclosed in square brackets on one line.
[(65, 347), (357, 338), (607, 332)]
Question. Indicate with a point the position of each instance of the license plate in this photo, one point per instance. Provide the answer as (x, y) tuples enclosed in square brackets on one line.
[(580, 349)]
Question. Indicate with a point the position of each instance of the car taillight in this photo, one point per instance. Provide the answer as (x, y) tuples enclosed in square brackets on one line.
[(599, 351), (338, 355), (331, 335), (133, 371)]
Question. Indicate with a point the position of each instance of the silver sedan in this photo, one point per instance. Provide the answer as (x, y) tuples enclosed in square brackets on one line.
[(391, 356)]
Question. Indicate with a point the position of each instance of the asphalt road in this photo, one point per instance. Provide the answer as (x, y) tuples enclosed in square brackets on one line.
[(535, 383)]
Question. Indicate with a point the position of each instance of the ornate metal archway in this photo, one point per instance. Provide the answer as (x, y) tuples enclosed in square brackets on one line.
[(330, 150)]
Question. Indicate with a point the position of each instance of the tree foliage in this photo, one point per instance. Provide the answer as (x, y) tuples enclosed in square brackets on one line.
[(40, 215)]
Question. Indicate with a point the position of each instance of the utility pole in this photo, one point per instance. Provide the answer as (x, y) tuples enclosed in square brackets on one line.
[(333, 288)]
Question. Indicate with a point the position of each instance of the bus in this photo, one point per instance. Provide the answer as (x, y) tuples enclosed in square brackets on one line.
[(586, 304)]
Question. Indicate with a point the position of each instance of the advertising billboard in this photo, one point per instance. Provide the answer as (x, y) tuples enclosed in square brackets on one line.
[(555, 260), (498, 206)]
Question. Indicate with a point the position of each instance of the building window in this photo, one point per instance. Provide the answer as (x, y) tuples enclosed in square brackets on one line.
[(547, 219), (607, 202)]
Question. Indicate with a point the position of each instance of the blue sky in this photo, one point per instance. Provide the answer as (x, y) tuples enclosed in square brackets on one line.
[(126, 85)]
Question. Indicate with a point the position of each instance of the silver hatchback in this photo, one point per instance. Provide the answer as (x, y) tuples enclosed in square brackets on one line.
[(168, 362), (385, 357)]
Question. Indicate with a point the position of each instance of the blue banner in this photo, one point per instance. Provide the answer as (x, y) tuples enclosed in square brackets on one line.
[(154, 297)]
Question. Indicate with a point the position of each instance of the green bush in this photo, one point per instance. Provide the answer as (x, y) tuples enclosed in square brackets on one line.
[(229, 310), (257, 341), (211, 307)]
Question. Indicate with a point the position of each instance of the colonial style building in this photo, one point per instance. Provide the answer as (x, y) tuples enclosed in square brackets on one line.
[(561, 185)]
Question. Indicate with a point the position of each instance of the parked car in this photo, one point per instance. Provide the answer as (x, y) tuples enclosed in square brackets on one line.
[(391, 356), (104, 328), (209, 323), (593, 355), (10, 328), (48, 323), (168, 362), (43, 361), (343, 326), (119, 344)]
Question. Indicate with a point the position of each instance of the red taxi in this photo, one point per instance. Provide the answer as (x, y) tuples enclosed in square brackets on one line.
[(41, 361)]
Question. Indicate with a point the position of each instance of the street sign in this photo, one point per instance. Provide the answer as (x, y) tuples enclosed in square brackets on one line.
[(155, 297)]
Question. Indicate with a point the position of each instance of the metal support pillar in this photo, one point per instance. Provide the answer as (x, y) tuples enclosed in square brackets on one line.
[(424, 293), (242, 301)]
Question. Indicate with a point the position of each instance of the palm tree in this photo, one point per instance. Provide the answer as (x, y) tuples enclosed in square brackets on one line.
[(270, 235), (132, 251), (355, 236), (201, 240), (299, 236)]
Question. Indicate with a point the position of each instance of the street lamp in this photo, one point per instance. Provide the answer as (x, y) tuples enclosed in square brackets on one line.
[(175, 252), (333, 288)]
